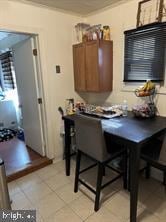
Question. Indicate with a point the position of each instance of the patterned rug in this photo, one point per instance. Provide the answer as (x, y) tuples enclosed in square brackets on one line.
[(7, 134)]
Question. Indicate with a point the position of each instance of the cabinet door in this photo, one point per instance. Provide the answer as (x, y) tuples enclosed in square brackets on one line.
[(92, 68), (106, 65), (79, 67)]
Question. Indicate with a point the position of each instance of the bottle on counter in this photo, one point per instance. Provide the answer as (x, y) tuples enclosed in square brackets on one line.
[(125, 108), (69, 106)]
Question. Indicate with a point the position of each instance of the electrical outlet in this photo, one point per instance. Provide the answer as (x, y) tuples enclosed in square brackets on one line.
[(58, 69)]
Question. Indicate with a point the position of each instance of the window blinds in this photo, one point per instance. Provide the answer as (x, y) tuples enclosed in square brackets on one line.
[(145, 53), (8, 81)]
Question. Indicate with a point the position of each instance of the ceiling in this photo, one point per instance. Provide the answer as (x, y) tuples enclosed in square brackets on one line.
[(3, 35), (8, 40), (82, 7)]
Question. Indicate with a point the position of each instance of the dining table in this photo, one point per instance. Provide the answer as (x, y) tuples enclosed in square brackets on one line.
[(129, 131)]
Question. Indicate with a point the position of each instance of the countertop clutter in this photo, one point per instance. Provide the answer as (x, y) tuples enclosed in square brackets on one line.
[(106, 112), (148, 108)]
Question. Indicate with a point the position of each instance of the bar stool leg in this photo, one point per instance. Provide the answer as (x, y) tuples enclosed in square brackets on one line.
[(125, 170), (128, 172), (98, 185), (164, 179), (147, 171), (77, 171)]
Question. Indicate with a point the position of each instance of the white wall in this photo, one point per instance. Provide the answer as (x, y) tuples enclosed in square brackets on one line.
[(56, 36), (120, 18), (8, 118)]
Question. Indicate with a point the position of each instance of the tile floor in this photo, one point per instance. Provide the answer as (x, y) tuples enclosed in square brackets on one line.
[(50, 192)]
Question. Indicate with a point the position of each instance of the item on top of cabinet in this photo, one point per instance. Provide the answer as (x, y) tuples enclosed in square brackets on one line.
[(85, 32), (90, 35), (81, 31), (101, 34), (94, 36), (93, 32), (150, 11), (85, 38), (106, 32)]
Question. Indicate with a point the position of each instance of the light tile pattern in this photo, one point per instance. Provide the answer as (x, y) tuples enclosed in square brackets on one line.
[(51, 193)]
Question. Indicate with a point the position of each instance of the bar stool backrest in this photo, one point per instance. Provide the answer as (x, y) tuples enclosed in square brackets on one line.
[(90, 138)]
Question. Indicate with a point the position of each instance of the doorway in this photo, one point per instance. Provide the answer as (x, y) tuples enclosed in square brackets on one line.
[(21, 103)]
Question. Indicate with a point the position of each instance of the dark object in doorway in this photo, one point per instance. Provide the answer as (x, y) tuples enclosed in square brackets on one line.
[(7, 134), (20, 135)]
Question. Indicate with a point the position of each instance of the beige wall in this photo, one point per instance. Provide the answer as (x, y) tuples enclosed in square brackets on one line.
[(121, 18), (56, 36)]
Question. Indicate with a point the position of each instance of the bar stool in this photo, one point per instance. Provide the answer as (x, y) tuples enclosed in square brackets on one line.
[(155, 155), (90, 141), (62, 134)]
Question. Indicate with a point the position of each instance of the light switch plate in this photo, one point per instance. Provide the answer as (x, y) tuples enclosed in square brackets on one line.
[(58, 69)]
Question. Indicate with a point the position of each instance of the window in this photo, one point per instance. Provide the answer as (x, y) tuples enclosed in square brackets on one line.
[(145, 53), (7, 81)]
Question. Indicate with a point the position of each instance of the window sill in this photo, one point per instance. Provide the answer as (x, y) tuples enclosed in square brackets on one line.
[(130, 87)]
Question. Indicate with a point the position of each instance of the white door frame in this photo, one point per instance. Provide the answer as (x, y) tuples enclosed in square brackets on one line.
[(39, 39), (39, 85)]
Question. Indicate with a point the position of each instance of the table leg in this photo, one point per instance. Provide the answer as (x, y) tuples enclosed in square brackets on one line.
[(67, 146), (134, 180)]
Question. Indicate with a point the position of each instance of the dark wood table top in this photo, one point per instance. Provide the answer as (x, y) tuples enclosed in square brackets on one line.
[(132, 129)]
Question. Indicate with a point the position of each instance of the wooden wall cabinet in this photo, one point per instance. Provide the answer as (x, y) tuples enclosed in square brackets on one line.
[(93, 66)]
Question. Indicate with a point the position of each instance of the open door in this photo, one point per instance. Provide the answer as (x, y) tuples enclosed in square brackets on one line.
[(29, 98)]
